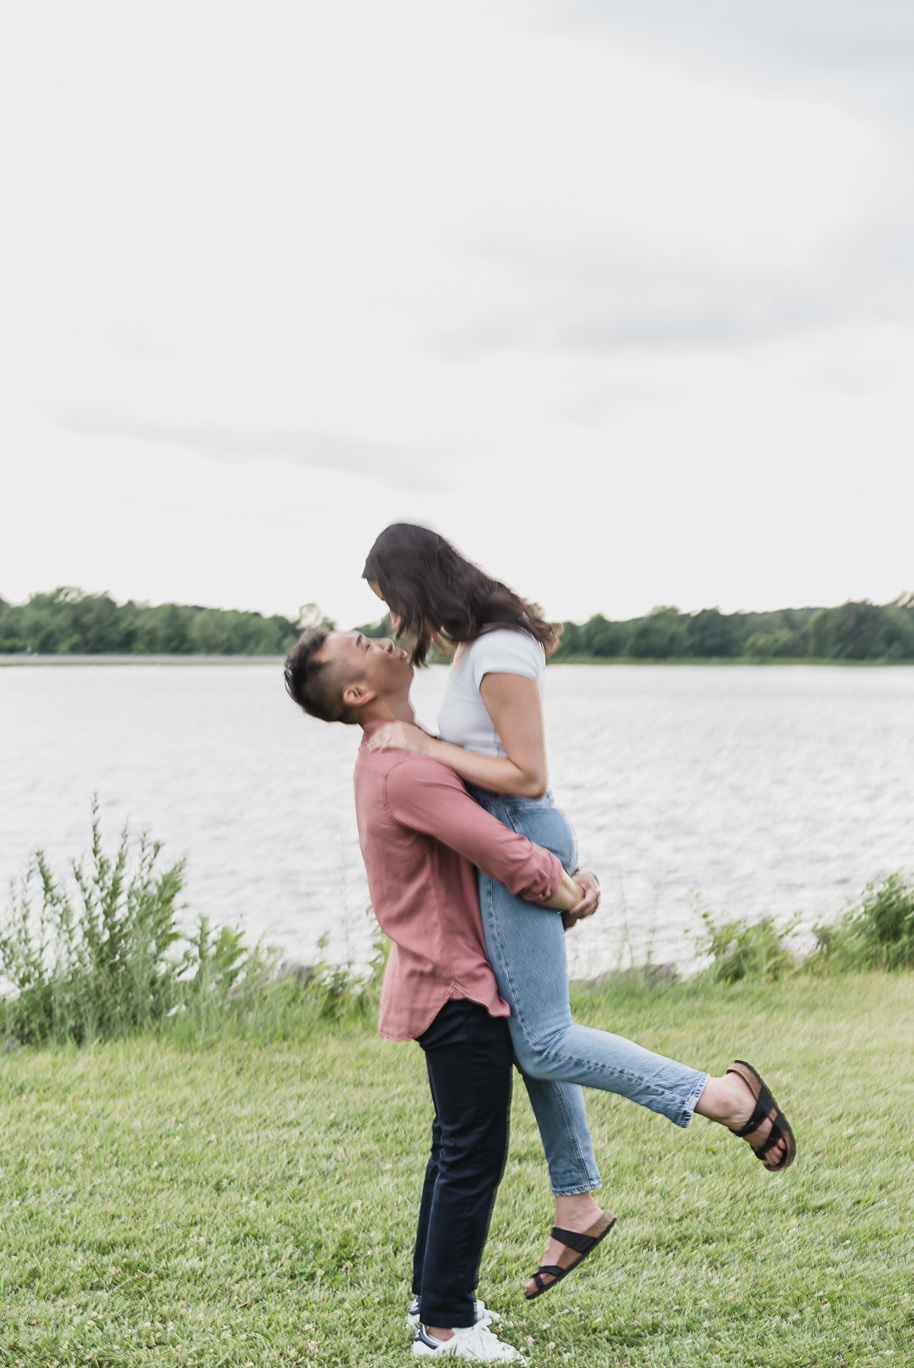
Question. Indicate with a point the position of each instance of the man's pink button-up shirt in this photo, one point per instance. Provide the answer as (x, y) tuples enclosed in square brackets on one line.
[(421, 836)]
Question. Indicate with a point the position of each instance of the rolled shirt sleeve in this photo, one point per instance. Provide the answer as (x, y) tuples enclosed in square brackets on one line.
[(428, 797)]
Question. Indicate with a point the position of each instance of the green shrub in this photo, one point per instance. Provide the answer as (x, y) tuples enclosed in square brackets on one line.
[(878, 933), (745, 950), (104, 956)]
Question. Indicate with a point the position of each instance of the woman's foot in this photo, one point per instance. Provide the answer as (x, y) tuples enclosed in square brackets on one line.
[(731, 1102), (579, 1213)]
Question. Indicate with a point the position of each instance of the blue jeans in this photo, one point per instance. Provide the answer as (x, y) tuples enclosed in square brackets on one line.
[(525, 945)]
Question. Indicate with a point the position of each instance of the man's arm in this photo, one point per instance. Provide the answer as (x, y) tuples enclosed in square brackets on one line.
[(427, 796)]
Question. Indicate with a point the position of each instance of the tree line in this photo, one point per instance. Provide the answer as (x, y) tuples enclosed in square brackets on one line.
[(71, 622), (855, 631)]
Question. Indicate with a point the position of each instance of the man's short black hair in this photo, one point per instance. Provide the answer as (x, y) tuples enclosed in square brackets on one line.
[(316, 685)]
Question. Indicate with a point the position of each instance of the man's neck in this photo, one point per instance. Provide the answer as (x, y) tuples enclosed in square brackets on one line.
[(389, 710)]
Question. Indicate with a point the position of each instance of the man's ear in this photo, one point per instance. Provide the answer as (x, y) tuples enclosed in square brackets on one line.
[(358, 694)]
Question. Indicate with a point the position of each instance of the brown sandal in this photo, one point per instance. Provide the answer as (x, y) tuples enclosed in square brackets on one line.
[(581, 1244), (766, 1109)]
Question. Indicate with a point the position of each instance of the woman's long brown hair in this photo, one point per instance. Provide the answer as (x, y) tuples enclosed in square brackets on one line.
[(441, 596)]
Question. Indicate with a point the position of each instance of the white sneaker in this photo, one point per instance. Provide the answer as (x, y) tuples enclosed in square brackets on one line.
[(474, 1342), (482, 1314)]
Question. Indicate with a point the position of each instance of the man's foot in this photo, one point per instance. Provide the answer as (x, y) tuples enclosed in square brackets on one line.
[(732, 1102), (482, 1314), (475, 1342)]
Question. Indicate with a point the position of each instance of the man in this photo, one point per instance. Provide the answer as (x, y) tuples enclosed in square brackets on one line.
[(421, 835)]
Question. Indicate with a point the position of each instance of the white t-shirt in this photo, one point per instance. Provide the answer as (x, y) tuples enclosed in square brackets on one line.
[(463, 719)]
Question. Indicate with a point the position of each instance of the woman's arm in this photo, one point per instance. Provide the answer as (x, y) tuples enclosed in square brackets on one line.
[(513, 703), (571, 897)]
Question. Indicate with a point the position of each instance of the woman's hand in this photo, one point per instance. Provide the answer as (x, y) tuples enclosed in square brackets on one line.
[(589, 885), (401, 736)]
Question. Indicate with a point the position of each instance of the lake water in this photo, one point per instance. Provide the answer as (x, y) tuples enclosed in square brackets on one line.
[(743, 790)]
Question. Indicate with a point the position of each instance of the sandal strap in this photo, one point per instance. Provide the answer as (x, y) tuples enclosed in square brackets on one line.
[(552, 1269), (776, 1134), (763, 1107), (574, 1240)]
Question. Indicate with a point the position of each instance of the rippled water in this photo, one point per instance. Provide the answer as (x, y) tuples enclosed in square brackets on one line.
[(753, 790)]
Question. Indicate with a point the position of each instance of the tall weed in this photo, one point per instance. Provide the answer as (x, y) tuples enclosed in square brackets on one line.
[(745, 950), (347, 991), (878, 933), (102, 955)]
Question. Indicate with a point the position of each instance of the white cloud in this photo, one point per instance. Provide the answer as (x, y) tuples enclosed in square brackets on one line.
[(235, 442), (608, 303)]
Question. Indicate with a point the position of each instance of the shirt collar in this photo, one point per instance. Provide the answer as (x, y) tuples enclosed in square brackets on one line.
[(369, 729)]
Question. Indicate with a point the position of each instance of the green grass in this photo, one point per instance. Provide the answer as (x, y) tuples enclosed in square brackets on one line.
[(251, 1202)]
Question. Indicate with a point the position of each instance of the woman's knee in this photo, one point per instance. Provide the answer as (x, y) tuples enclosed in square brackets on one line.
[(536, 1057)]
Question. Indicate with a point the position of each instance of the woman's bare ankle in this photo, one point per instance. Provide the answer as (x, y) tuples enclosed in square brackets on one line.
[(726, 1100), (720, 1100), (577, 1210), (729, 1102)]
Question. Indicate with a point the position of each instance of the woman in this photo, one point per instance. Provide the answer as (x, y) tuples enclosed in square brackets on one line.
[(491, 735)]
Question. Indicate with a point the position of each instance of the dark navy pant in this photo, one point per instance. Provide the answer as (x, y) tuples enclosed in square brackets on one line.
[(469, 1059)]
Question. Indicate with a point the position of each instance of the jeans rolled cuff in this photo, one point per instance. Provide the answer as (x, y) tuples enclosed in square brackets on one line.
[(688, 1110), (578, 1191)]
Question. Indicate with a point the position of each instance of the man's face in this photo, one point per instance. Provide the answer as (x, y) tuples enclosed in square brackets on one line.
[(372, 663)]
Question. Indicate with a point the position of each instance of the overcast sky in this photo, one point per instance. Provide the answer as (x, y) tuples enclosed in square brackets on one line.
[(619, 297)]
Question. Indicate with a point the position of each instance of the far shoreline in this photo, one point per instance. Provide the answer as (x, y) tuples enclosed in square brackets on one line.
[(35, 661), (38, 661)]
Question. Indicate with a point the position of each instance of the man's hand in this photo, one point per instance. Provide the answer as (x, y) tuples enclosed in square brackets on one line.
[(590, 898)]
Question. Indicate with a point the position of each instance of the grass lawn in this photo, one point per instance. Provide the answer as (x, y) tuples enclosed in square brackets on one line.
[(252, 1202)]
